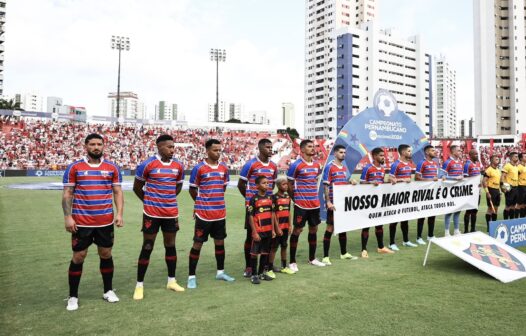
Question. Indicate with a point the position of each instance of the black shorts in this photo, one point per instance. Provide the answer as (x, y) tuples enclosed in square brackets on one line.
[(495, 197), (151, 225), (85, 236), (330, 217), (261, 247), (281, 240), (216, 230), (522, 195), (302, 216), (511, 196)]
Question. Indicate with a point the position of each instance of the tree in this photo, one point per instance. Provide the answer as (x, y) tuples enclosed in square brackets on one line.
[(293, 133), (10, 105)]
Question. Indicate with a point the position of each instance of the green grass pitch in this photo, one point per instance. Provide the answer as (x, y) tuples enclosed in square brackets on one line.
[(384, 295)]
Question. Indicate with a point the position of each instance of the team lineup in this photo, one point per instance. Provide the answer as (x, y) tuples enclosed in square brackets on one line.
[(92, 185)]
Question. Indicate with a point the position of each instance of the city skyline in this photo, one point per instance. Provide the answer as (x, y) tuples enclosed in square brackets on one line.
[(170, 50)]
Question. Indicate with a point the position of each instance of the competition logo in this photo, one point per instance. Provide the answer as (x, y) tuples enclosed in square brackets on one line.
[(39, 173), (502, 234), (373, 135), (496, 256), (385, 102)]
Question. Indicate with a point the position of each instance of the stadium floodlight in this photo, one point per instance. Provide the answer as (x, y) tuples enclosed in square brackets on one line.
[(120, 43), (217, 55)]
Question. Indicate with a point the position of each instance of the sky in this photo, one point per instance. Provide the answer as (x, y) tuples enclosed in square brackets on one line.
[(62, 48)]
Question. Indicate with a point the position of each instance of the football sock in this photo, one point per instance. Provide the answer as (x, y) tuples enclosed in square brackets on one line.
[(220, 256), (312, 245), (365, 238), (106, 270), (392, 233), (170, 257), (420, 227), (74, 274), (293, 246), (379, 232), (193, 260), (342, 238), (326, 243), (144, 259)]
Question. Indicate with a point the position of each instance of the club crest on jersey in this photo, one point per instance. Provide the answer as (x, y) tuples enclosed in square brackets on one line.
[(496, 256), (104, 173)]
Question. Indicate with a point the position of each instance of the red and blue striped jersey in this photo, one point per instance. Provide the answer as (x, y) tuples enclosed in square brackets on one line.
[(211, 182), (401, 169), (371, 173), (427, 169), (93, 191), (334, 175), (305, 177), (162, 178), (472, 169), (452, 168), (255, 168)]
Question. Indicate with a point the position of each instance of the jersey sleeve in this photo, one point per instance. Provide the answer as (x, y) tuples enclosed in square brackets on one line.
[(245, 171), (326, 177), (252, 206), (141, 173), (394, 166), (275, 176), (419, 167), (195, 177), (466, 169), (70, 176), (364, 174), (117, 176), (291, 173), (506, 168)]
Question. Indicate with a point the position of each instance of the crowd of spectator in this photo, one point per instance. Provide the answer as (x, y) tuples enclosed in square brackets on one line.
[(36, 144)]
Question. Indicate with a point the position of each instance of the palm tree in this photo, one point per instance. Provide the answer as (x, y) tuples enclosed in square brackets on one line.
[(10, 105)]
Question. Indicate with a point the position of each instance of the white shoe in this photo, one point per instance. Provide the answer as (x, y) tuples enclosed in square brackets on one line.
[(294, 267), (394, 247), (110, 296), (457, 232), (447, 234), (316, 262), (73, 304), (421, 241), (429, 238), (409, 244)]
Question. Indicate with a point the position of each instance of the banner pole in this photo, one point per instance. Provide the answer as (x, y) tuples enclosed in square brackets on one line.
[(427, 252)]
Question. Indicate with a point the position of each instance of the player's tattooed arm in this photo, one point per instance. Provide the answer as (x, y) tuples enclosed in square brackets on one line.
[(330, 206), (67, 203), (67, 200)]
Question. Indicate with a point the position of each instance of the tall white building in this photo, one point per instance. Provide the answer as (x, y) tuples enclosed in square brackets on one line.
[(54, 104), (445, 115), (500, 67), (31, 101), (288, 119), (226, 111), (369, 59), (466, 128), (256, 117), (130, 106), (221, 112), (2, 40), (166, 111), (322, 18)]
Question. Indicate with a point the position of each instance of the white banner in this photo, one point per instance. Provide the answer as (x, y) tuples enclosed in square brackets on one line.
[(366, 205), (486, 253)]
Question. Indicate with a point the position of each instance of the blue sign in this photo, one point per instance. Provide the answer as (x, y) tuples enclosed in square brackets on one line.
[(383, 125), (511, 231)]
